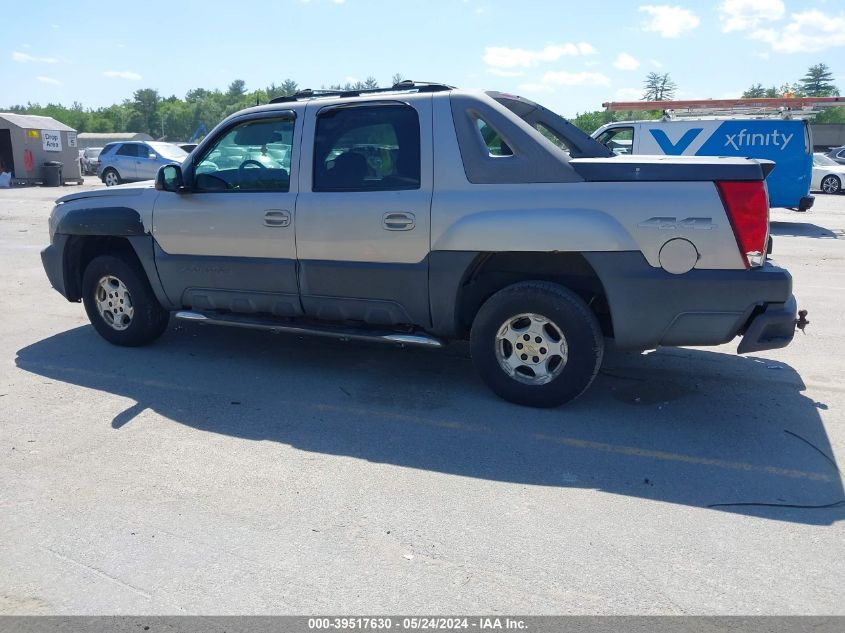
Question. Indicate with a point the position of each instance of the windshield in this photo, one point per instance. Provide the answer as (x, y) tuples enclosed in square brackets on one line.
[(169, 151), (93, 152), (821, 159)]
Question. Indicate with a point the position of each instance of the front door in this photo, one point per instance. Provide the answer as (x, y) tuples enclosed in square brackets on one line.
[(228, 243), (363, 212), (147, 163)]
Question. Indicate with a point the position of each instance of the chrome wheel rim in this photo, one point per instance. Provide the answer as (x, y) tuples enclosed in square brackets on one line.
[(114, 303), (830, 185), (531, 349), (111, 179)]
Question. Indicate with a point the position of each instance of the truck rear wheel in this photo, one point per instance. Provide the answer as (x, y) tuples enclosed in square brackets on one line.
[(120, 303), (536, 343)]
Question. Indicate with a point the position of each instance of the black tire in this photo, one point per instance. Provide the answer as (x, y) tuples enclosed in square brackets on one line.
[(106, 179), (834, 184), (568, 313), (148, 320)]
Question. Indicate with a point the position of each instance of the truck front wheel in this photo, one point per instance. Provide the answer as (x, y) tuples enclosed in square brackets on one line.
[(120, 303), (536, 343)]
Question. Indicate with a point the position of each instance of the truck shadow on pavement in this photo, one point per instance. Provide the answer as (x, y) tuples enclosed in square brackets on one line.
[(682, 426), (805, 229)]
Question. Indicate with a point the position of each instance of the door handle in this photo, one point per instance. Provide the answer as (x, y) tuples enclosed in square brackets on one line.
[(398, 221), (276, 217)]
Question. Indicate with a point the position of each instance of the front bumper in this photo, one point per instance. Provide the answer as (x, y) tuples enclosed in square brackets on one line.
[(52, 258)]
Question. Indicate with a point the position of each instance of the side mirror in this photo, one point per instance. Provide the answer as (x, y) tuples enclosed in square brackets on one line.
[(153, 156), (169, 178)]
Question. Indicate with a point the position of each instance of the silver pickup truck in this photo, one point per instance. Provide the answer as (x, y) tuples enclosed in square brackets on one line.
[(422, 213)]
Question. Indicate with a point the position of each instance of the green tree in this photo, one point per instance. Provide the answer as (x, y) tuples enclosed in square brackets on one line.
[(145, 102), (756, 91), (236, 89), (818, 82), (659, 87), (589, 122)]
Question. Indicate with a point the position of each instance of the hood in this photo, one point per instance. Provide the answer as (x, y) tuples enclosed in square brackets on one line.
[(132, 189)]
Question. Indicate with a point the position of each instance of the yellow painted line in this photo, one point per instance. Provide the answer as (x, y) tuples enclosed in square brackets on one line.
[(680, 457)]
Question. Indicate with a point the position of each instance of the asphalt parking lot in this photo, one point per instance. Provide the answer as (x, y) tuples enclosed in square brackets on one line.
[(226, 471)]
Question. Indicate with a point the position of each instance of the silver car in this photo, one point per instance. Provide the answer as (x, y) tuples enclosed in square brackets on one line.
[(828, 175), (136, 160)]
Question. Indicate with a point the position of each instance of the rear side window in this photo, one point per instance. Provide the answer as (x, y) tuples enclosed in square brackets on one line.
[(367, 148), (496, 145), (128, 150), (108, 149)]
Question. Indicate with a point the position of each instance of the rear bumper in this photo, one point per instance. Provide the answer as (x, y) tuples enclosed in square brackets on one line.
[(772, 328), (651, 308), (806, 203)]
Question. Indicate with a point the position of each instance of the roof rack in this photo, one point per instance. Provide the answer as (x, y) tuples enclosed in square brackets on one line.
[(782, 107), (406, 85)]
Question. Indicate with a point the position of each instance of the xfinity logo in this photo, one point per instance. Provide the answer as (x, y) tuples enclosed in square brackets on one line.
[(737, 140), (744, 139)]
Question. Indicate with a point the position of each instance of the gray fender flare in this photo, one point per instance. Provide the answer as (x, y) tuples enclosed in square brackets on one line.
[(116, 222)]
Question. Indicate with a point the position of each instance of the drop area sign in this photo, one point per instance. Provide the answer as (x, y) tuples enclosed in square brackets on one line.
[(52, 141)]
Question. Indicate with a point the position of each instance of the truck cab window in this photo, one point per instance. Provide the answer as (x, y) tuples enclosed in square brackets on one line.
[(252, 156), (367, 148)]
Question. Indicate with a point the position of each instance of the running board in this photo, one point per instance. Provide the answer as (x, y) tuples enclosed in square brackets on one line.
[(272, 325)]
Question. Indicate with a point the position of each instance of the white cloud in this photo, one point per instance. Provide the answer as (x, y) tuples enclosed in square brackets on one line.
[(564, 78), (624, 61), (536, 88), (655, 63), (506, 57), (808, 32), (742, 15), (122, 74), (505, 73), (49, 80), (628, 94), (669, 21), (23, 58)]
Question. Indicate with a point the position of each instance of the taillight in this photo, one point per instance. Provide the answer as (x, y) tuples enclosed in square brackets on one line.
[(747, 207)]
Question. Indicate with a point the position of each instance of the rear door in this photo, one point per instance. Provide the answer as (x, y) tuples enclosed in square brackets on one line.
[(125, 159), (363, 212)]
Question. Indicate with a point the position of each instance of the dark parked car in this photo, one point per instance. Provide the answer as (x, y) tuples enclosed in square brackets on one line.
[(90, 160)]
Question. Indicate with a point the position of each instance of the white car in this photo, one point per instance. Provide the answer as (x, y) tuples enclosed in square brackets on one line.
[(828, 175)]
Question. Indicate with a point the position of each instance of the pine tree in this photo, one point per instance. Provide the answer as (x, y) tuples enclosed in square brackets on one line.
[(818, 82), (659, 87)]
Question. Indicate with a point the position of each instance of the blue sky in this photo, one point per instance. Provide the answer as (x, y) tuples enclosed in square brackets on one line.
[(570, 56)]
